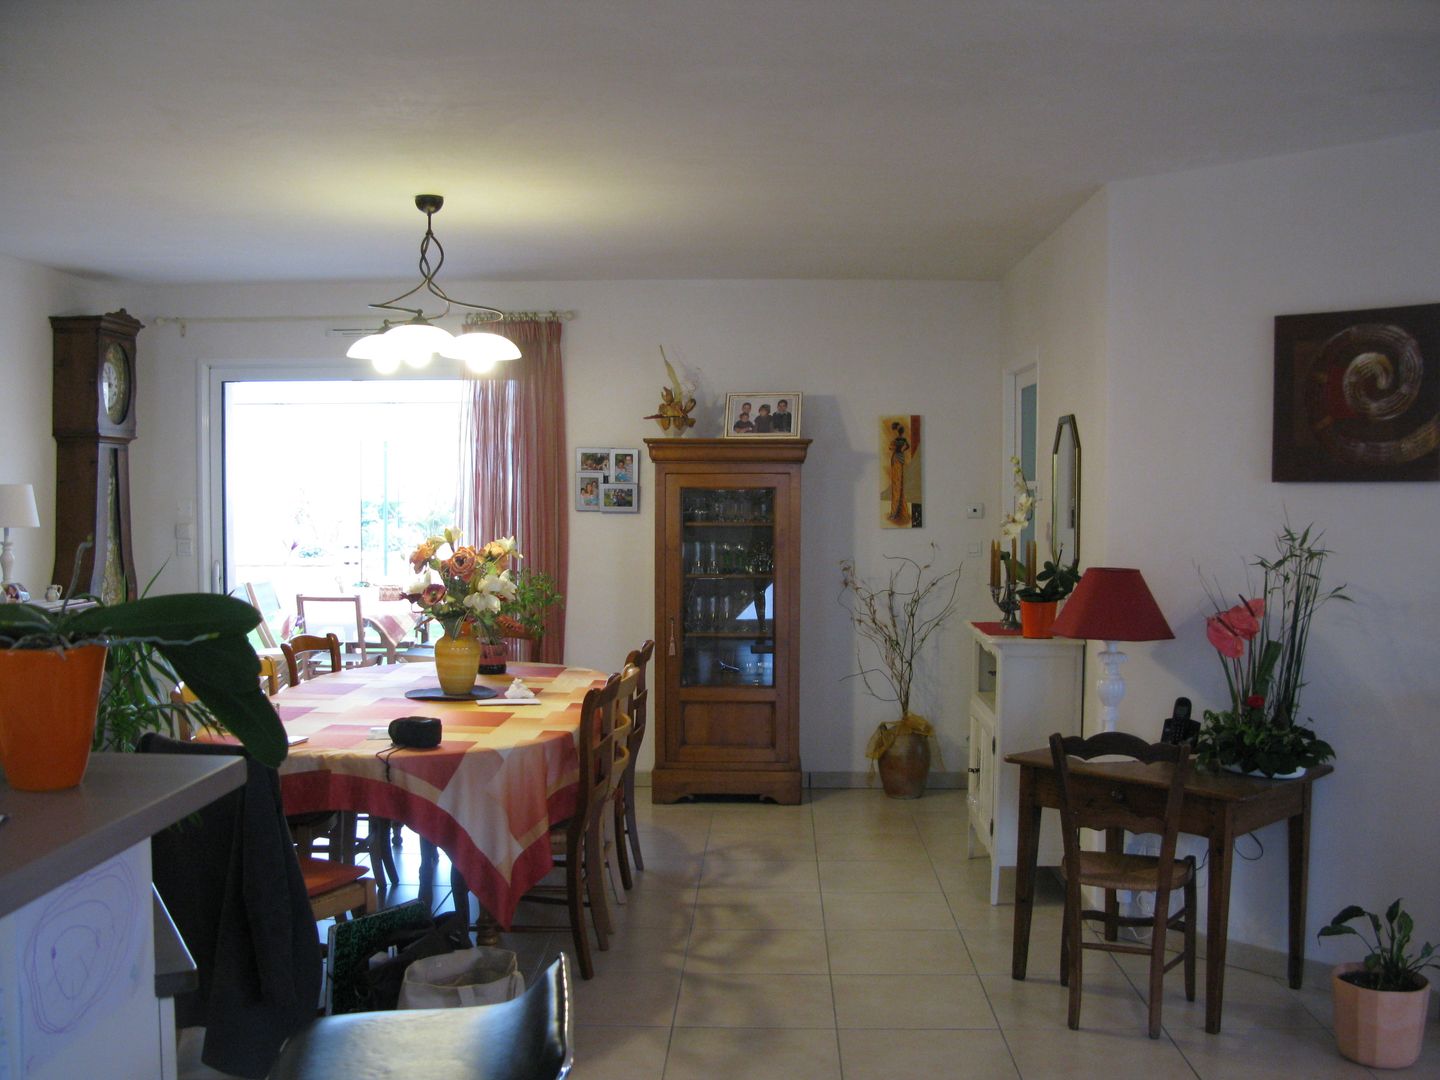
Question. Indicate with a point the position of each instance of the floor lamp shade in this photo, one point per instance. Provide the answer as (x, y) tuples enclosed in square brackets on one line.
[(1112, 604), (17, 511)]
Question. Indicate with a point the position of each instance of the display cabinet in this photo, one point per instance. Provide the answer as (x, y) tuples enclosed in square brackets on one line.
[(1026, 689), (727, 617)]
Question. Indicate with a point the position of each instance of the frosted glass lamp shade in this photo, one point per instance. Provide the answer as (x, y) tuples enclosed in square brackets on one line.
[(480, 350), (415, 343)]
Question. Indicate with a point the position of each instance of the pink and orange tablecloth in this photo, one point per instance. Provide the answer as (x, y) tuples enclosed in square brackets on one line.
[(487, 796)]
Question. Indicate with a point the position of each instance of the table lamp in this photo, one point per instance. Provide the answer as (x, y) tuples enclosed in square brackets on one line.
[(1112, 604), (17, 511)]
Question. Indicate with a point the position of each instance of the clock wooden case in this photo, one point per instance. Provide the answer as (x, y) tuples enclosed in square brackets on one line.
[(727, 617), (94, 423)]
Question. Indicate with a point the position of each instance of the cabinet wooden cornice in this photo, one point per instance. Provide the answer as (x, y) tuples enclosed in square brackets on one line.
[(727, 617)]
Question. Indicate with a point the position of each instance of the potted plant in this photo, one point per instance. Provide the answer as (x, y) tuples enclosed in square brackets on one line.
[(1261, 642), (52, 665), (479, 599), (677, 402), (896, 619), (1038, 600), (1381, 1003)]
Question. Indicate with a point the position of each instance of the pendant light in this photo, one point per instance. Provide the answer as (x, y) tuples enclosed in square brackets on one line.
[(415, 341)]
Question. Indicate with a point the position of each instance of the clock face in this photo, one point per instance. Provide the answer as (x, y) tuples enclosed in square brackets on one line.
[(115, 384)]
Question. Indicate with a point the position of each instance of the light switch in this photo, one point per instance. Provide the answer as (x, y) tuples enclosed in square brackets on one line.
[(972, 549)]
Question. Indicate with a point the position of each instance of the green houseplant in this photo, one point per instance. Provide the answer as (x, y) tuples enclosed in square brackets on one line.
[(896, 620), (1261, 642), (1053, 582), (1382, 1002), (200, 637)]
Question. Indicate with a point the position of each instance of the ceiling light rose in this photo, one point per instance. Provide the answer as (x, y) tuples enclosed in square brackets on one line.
[(415, 341)]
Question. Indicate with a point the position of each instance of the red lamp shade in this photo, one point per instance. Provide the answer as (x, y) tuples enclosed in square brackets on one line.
[(1112, 604)]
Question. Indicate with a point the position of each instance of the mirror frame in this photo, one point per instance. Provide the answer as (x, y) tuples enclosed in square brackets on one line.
[(1056, 501)]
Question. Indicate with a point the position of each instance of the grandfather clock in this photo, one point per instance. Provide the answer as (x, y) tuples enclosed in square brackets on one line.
[(94, 421)]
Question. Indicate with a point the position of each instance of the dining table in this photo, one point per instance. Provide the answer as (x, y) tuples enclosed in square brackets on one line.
[(505, 771)]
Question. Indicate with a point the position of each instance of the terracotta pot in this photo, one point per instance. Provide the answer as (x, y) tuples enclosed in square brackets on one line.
[(48, 701), (456, 661), (493, 657), (905, 767), (1036, 618), (1380, 1028)]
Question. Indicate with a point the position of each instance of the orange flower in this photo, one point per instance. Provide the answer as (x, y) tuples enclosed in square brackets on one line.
[(462, 564), (421, 555)]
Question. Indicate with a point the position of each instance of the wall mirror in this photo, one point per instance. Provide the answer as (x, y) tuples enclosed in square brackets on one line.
[(1065, 490)]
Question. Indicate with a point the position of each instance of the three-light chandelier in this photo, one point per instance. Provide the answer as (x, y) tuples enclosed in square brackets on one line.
[(415, 341)]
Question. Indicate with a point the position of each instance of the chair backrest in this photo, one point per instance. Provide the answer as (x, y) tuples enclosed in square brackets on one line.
[(639, 705), (309, 643), (263, 599), (331, 613), (599, 746), (1101, 810)]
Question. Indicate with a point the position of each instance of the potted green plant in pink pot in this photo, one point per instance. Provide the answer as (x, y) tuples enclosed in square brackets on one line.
[(1381, 1003)]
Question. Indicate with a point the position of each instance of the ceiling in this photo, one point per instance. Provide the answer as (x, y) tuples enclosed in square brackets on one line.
[(254, 140)]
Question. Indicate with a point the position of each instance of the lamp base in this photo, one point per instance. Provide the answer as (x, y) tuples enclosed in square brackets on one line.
[(1110, 686)]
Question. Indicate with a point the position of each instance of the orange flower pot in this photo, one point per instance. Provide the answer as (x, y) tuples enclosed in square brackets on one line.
[(48, 702), (1036, 617), (1380, 1028)]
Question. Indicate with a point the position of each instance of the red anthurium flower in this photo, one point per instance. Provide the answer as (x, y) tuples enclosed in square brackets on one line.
[(1225, 640), (1244, 618), (1255, 701)]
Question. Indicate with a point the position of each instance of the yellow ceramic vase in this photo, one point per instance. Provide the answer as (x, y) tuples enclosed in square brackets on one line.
[(456, 662)]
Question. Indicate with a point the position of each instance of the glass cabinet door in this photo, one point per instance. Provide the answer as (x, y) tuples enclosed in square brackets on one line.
[(727, 553)]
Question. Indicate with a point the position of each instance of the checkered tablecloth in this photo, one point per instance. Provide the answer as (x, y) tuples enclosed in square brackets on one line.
[(486, 796)]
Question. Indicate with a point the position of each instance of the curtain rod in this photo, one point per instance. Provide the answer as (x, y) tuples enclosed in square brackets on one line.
[(183, 320)]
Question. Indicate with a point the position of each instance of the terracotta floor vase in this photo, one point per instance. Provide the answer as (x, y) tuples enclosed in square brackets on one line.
[(1380, 1028), (48, 701)]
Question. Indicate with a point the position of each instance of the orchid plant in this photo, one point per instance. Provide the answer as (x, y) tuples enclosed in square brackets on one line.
[(468, 588), (1261, 642)]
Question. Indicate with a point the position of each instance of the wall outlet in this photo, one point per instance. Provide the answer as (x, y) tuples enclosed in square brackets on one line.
[(974, 510)]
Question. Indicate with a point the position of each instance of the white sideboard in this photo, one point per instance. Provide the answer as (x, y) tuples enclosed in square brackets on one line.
[(1025, 690)]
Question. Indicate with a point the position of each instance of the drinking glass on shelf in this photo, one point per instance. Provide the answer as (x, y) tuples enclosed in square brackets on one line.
[(727, 617), (712, 559)]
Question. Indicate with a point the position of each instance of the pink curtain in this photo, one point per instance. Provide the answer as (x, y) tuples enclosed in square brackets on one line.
[(513, 482)]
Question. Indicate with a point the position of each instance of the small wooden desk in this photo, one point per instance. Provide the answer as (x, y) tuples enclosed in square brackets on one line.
[(1218, 806)]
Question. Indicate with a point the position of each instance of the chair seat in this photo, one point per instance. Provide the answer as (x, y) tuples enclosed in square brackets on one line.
[(323, 876), (1138, 873)]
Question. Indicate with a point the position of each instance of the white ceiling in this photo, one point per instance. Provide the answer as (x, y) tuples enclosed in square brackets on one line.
[(245, 140)]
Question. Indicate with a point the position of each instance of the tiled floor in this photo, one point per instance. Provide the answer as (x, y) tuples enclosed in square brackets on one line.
[(850, 938)]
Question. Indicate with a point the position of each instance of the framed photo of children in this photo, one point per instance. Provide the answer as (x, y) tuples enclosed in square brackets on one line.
[(764, 414), (587, 490), (619, 498)]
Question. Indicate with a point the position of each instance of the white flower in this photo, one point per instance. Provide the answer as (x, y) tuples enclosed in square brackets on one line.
[(418, 585), (498, 585), (479, 603)]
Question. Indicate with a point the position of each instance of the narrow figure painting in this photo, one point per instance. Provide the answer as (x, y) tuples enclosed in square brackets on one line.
[(901, 491), (1357, 395)]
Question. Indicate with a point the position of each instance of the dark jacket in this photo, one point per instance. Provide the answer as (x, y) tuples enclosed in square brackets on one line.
[(234, 889)]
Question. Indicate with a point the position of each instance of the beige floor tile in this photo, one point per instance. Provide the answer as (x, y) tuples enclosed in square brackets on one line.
[(1251, 1002), (656, 907), (1098, 1055), (887, 911), (761, 846), (1107, 1003), (643, 949), (720, 999), (760, 874), (675, 871), (898, 952), (838, 826), (1267, 1055), (889, 1055), (756, 821), (893, 846), (949, 801), (753, 1053), (994, 955), (911, 1001), (750, 909), (621, 1053), (879, 875), (788, 952), (626, 998)]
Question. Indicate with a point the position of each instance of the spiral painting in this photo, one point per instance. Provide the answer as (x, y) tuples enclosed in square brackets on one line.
[(1357, 395)]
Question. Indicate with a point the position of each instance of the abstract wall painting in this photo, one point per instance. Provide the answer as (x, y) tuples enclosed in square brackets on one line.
[(1357, 395), (901, 487)]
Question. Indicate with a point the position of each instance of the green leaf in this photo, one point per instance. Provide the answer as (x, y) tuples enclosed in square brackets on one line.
[(224, 672), (1354, 911)]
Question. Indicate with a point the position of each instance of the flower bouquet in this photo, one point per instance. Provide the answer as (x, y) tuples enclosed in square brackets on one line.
[(1261, 642), (473, 585)]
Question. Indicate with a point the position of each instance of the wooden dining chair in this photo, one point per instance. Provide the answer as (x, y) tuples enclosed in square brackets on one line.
[(577, 841), (301, 653), (627, 830), (1091, 805)]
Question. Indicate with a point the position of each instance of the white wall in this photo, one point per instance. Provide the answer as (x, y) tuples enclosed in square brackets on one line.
[(1199, 265), (29, 295), (856, 350)]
